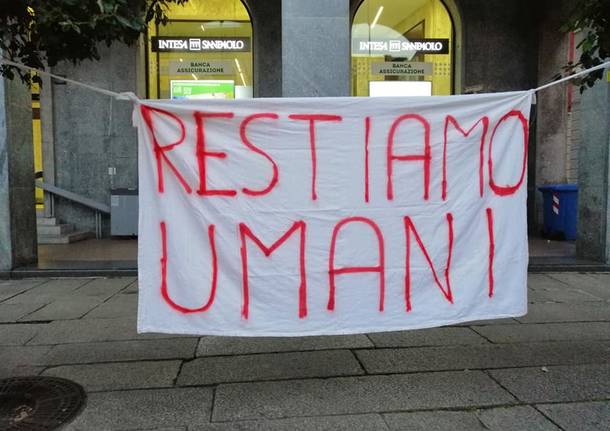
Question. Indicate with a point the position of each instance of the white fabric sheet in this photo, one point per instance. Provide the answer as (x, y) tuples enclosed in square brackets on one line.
[(238, 217)]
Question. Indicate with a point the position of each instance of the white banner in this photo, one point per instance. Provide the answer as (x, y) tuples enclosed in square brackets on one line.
[(286, 217)]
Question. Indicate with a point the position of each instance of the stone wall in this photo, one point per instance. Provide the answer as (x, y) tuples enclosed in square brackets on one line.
[(499, 44), (593, 240), (552, 138), (315, 48), (93, 133), (266, 18)]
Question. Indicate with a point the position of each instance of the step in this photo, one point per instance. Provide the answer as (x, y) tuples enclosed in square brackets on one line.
[(54, 230), (46, 221), (65, 239)]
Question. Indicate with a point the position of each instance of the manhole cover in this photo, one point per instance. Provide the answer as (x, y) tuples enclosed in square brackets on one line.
[(38, 403)]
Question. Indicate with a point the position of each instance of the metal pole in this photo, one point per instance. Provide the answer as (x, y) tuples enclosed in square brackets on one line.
[(98, 229)]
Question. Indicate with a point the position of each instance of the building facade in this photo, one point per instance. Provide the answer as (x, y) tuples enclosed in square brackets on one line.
[(298, 48)]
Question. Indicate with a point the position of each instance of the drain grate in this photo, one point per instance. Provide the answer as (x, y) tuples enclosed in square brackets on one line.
[(38, 403)]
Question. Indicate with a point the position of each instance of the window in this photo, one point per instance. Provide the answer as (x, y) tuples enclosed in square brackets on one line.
[(402, 48), (204, 51)]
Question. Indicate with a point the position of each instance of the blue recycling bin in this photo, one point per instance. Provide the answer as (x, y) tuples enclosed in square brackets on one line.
[(560, 207)]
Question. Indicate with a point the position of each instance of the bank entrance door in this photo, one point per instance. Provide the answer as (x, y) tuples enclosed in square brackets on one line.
[(204, 51)]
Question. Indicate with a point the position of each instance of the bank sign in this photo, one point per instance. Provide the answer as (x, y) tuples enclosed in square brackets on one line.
[(200, 44), (413, 68), (400, 47), (201, 67)]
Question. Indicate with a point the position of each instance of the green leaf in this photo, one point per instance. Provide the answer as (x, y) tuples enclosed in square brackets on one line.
[(127, 23), (71, 30)]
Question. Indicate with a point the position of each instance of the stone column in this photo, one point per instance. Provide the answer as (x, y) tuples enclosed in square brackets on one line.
[(594, 174), (315, 48), (267, 46), (18, 244)]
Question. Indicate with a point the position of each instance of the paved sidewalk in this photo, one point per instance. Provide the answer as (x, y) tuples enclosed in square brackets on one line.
[(549, 370)]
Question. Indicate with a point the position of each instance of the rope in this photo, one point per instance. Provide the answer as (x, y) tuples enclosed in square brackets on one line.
[(128, 95), (574, 76)]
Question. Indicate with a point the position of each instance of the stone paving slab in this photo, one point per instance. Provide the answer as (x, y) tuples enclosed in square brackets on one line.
[(22, 283), (19, 333), (152, 429), (19, 371), (598, 291), (119, 375), (566, 333), (104, 288), (119, 306), (352, 395), (64, 309), (18, 361), (558, 312), (539, 280), (10, 288), (561, 383), (599, 287), (545, 332), (509, 321), (516, 418), (142, 409), (323, 423), (131, 289), (599, 282), (591, 416), (544, 288), (427, 337), (594, 284), (23, 355), (13, 312), (87, 330), (485, 356), (92, 330), (118, 351), (50, 291), (544, 281), (329, 363), (222, 346), (564, 295), (434, 421)]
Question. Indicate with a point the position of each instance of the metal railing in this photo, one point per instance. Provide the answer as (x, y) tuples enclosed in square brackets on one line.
[(99, 208)]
